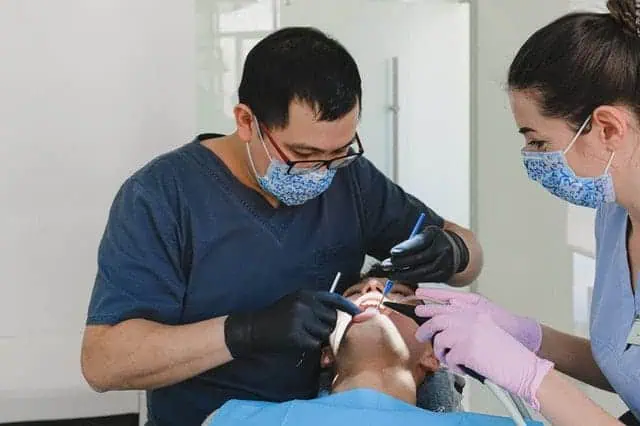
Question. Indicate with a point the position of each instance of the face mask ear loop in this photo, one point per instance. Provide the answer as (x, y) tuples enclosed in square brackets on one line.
[(575, 138), (613, 154), (259, 132)]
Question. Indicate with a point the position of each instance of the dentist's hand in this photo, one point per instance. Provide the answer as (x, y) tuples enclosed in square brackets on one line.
[(435, 255), (300, 321), (475, 341), (525, 330)]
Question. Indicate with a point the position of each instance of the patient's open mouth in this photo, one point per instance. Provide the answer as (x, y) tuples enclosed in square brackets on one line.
[(369, 304), (370, 300)]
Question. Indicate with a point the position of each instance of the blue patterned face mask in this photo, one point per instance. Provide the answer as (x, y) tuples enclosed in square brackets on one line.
[(291, 189), (552, 171)]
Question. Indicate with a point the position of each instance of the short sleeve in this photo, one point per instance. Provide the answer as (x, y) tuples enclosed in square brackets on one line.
[(389, 212), (139, 268)]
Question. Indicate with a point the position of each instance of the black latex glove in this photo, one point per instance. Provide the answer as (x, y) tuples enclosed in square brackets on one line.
[(300, 321), (432, 256)]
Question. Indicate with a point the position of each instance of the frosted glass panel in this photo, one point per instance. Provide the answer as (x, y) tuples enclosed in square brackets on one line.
[(247, 45), (580, 229), (587, 5), (248, 15), (227, 30), (230, 74), (583, 277)]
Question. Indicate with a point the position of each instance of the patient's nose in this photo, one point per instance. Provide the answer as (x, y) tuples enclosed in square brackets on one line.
[(373, 285)]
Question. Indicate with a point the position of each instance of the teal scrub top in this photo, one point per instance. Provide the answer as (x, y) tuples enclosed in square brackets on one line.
[(615, 306), (355, 407)]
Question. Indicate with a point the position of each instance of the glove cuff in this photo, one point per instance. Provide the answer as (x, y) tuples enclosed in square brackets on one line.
[(238, 334), (542, 368), (460, 252), (532, 336)]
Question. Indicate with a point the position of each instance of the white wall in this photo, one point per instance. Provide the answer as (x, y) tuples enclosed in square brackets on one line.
[(89, 91), (522, 228), (435, 140)]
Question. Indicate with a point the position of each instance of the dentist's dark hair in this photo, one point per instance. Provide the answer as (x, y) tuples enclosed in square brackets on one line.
[(303, 64), (582, 61)]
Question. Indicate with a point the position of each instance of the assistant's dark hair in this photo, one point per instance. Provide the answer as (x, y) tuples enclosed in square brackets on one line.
[(304, 64), (582, 61)]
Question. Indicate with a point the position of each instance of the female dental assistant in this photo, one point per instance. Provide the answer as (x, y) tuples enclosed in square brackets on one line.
[(575, 93)]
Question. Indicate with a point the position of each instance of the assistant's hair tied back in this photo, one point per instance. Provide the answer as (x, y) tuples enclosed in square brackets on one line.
[(626, 13), (582, 61)]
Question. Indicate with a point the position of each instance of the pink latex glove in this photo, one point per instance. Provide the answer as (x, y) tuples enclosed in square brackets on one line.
[(525, 330), (475, 341)]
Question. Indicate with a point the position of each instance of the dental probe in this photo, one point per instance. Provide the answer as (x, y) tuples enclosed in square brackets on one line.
[(335, 282), (389, 285)]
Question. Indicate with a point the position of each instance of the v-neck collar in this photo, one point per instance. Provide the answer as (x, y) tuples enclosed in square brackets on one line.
[(623, 252), (274, 219)]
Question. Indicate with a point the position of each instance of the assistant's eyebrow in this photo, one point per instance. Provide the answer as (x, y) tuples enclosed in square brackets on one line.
[(525, 130)]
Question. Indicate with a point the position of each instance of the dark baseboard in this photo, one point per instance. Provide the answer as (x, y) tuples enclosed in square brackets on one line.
[(123, 420)]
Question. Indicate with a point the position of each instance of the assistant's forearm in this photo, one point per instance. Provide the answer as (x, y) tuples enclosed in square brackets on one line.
[(476, 261), (140, 354), (572, 356), (564, 405)]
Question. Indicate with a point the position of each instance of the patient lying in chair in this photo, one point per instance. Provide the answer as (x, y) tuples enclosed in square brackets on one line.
[(378, 365)]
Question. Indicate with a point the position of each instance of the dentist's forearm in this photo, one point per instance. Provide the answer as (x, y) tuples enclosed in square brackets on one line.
[(474, 267), (141, 354)]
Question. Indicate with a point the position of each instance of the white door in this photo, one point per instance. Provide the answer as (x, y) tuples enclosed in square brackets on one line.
[(430, 43)]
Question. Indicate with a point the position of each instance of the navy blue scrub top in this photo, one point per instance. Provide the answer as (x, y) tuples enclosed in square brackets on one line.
[(186, 241)]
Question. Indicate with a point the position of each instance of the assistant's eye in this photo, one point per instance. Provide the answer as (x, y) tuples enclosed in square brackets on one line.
[(537, 144)]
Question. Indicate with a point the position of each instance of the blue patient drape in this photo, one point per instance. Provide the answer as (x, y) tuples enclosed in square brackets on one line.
[(352, 408)]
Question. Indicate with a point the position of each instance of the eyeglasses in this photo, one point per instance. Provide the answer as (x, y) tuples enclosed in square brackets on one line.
[(301, 167)]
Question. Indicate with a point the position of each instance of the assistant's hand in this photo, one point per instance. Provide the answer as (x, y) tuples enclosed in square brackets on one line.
[(434, 255), (303, 320), (525, 330), (475, 341)]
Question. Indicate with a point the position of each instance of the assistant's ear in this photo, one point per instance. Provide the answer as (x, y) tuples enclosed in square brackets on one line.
[(327, 359), (612, 124), (244, 122)]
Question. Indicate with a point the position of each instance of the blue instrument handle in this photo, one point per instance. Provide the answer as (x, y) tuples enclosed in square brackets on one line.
[(414, 232)]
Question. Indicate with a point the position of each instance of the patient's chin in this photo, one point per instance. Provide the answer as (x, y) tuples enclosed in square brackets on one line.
[(378, 336)]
